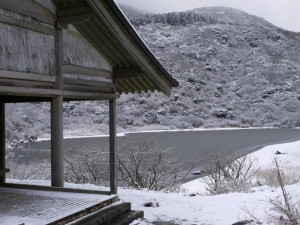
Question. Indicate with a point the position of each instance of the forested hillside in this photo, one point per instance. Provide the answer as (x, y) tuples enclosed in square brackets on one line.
[(234, 69)]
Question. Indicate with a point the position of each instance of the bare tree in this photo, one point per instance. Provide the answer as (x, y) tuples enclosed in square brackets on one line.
[(90, 166), (225, 174), (29, 170), (148, 165), (251, 216), (286, 210)]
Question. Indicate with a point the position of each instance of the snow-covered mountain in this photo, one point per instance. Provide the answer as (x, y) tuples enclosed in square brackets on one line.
[(234, 70), (227, 15)]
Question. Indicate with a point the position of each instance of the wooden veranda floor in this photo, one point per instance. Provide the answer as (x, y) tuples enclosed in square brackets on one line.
[(28, 207)]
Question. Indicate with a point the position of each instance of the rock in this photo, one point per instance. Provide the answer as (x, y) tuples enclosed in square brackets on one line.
[(199, 172), (279, 153), (151, 203), (244, 222)]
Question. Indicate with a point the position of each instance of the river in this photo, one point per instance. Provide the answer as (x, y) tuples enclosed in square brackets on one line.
[(187, 145)]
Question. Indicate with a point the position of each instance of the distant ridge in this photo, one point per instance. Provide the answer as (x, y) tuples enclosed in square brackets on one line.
[(206, 14), (231, 15), (131, 11)]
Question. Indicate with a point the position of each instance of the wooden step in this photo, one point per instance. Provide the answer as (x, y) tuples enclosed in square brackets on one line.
[(104, 215), (126, 218)]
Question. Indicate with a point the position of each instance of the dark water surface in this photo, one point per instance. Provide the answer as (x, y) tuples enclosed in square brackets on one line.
[(188, 145)]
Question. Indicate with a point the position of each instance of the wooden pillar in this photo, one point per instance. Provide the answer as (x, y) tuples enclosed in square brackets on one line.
[(112, 146), (57, 162), (2, 142)]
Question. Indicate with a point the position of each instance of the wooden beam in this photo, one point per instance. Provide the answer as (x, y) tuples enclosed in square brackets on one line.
[(20, 99), (89, 96), (25, 83), (74, 69), (25, 91), (127, 73), (54, 189), (88, 83), (27, 25), (21, 79), (113, 146), (26, 76), (29, 8), (85, 89), (2, 141)]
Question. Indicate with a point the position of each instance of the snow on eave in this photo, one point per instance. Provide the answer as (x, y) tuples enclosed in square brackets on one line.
[(121, 15)]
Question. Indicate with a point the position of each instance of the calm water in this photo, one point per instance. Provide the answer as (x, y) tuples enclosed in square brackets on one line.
[(188, 145)]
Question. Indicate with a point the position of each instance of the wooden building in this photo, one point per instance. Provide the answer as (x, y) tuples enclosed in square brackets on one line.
[(70, 50)]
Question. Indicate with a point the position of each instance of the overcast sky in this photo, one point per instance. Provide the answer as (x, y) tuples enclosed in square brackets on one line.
[(282, 13)]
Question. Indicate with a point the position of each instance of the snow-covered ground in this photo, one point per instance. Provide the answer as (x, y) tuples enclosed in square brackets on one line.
[(225, 209)]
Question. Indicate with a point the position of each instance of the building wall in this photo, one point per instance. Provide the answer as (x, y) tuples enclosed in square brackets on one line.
[(27, 56), (80, 52), (24, 50), (28, 51)]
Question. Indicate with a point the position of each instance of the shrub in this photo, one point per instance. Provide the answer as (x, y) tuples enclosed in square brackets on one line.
[(89, 166), (29, 170), (145, 164), (284, 210), (269, 177), (227, 174)]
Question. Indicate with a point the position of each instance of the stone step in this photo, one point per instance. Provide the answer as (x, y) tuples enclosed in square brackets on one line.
[(104, 215), (126, 218)]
